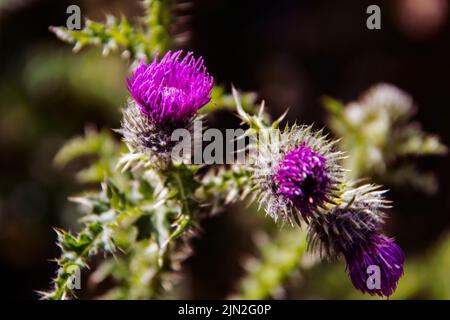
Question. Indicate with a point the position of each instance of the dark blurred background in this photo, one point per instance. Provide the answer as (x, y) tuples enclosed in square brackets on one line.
[(290, 52)]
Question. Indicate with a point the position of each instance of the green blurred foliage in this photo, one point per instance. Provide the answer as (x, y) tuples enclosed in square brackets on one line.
[(380, 137)]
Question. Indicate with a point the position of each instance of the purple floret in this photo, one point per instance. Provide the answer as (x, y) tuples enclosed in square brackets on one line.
[(170, 92), (301, 177), (381, 251)]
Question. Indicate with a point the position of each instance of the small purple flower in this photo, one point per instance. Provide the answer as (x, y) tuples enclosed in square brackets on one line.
[(382, 252), (170, 92), (302, 178)]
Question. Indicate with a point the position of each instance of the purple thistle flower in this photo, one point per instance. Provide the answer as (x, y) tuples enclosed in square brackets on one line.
[(352, 229), (301, 177), (378, 250), (296, 173), (170, 92)]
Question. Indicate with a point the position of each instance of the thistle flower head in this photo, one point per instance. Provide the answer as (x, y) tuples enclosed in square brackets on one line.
[(377, 251), (166, 96), (297, 174), (360, 214), (169, 92), (352, 230)]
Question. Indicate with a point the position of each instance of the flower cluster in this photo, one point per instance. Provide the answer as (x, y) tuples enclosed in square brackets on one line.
[(296, 173)]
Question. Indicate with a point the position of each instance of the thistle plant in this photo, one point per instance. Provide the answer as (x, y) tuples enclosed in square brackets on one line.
[(149, 206)]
